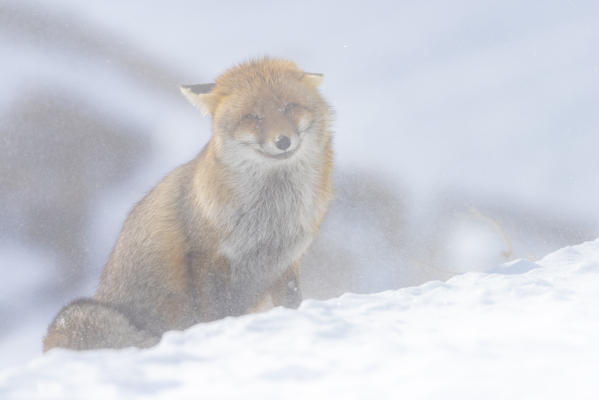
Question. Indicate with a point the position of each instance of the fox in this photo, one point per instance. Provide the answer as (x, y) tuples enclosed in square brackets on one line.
[(223, 234)]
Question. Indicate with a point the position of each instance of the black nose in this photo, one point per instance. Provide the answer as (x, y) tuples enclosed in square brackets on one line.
[(283, 143)]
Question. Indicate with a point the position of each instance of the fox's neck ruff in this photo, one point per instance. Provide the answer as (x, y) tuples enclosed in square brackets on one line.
[(270, 220)]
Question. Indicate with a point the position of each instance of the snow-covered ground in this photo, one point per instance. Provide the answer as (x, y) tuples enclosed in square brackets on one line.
[(522, 331), (465, 133)]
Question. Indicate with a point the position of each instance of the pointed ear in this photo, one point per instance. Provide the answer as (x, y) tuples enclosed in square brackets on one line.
[(201, 96), (313, 78)]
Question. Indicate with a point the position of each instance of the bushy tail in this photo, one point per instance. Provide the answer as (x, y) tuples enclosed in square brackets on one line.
[(87, 324)]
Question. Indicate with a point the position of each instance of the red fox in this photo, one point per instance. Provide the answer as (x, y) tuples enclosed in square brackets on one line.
[(224, 233)]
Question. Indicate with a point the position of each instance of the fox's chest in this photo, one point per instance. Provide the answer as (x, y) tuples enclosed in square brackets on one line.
[(270, 227)]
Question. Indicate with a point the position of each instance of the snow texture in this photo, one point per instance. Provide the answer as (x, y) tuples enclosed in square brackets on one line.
[(523, 330), (458, 125)]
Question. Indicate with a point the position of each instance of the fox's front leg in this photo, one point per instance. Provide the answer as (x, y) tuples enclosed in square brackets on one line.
[(286, 291)]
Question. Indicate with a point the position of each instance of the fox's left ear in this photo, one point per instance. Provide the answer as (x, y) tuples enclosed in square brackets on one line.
[(313, 78), (201, 96)]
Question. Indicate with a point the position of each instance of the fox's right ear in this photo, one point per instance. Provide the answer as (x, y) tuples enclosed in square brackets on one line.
[(201, 96), (313, 78)]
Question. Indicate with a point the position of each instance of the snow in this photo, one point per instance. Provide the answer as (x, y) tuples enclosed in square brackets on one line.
[(441, 108), (523, 330)]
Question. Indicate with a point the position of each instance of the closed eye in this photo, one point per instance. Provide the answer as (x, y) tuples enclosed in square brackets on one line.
[(255, 117), (291, 106)]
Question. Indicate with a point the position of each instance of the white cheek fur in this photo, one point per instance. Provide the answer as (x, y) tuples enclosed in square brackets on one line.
[(245, 137), (304, 123)]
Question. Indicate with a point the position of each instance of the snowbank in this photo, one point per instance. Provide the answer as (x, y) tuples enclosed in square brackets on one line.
[(524, 330), (441, 107)]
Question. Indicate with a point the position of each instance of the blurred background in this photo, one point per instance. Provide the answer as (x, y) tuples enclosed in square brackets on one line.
[(466, 133)]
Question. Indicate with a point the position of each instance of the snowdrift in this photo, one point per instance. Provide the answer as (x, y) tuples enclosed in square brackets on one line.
[(524, 330)]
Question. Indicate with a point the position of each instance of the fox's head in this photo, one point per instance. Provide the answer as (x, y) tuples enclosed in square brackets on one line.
[(264, 110)]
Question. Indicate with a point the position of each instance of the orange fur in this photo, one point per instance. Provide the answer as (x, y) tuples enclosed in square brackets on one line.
[(181, 255)]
